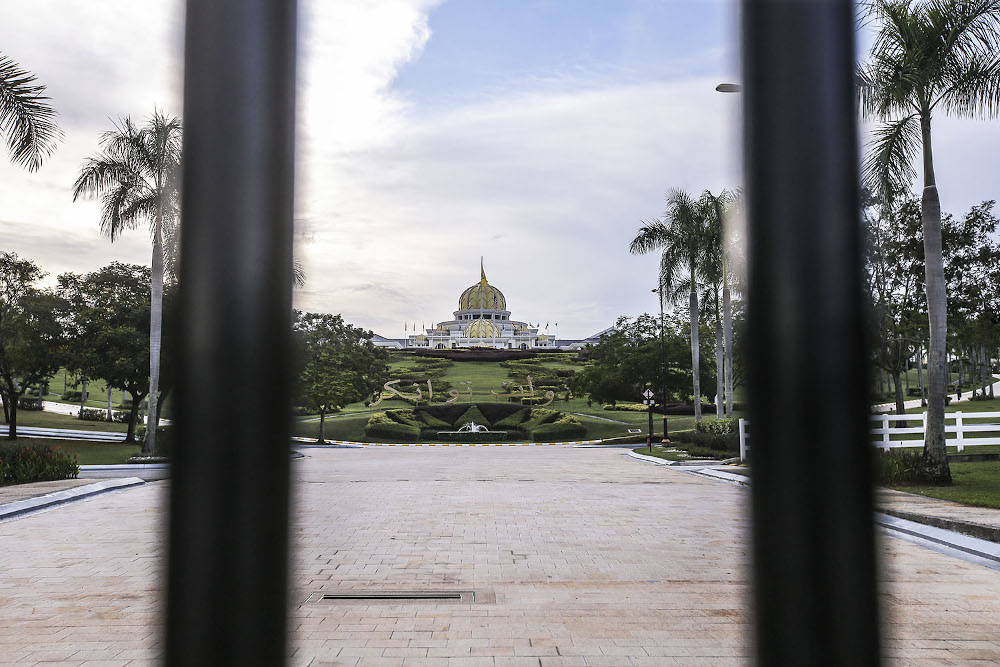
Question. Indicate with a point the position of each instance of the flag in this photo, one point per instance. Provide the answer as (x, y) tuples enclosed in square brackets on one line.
[(405, 326), (546, 326)]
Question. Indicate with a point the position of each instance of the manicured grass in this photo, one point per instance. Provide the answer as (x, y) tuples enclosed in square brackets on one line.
[(973, 484), (45, 419), (87, 452)]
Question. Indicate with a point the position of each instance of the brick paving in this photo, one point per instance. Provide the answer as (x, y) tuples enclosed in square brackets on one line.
[(593, 559)]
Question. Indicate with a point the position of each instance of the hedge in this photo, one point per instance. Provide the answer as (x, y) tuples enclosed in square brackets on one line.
[(22, 463), (712, 441), (101, 415), (492, 436), (381, 426), (561, 429), (473, 414), (514, 419), (719, 426), (29, 404), (406, 417), (165, 440), (538, 417), (433, 422)]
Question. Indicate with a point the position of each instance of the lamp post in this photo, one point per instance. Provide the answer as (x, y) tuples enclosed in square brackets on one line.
[(663, 366)]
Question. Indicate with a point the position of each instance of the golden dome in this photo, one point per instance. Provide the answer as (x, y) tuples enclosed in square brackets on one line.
[(482, 296), (543, 337), (421, 337), (482, 329)]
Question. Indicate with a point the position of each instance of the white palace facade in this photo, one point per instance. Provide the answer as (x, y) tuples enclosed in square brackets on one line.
[(482, 320)]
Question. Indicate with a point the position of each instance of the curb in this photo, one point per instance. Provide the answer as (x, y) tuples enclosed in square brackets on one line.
[(349, 443), (962, 546), (29, 505), (976, 530)]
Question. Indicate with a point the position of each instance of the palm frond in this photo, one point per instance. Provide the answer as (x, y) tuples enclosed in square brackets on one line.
[(972, 87), (652, 234), (26, 117), (888, 169)]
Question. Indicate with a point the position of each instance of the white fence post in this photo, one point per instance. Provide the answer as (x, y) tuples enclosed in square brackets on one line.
[(959, 433), (885, 431), (743, 439)]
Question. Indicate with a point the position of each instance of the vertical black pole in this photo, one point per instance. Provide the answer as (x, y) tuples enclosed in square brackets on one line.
[(813, 539), (228, 551)]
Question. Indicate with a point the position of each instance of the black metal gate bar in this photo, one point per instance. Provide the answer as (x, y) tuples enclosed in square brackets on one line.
[(228, 551), (813, 538)]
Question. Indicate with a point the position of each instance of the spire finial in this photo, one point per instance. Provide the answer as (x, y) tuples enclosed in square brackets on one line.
[(482, 270)]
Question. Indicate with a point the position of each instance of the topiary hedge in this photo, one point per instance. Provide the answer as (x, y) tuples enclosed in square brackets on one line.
[(566, 427), (538, 417), (719, 426), (381, 426), (713, 441), (21, 463), (514, 419), (473, 414)]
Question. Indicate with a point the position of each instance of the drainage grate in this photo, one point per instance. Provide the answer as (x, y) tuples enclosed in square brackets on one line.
[(395, 596)]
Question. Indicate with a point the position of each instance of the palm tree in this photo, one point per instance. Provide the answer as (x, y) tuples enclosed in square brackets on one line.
[(136, 177), (934, 55), (721, 270), (682, 236), (26, 118)]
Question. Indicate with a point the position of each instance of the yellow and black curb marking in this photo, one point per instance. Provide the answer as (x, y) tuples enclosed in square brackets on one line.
[(450, 444)]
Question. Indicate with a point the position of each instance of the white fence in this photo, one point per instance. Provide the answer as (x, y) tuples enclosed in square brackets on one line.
[(956, 424)]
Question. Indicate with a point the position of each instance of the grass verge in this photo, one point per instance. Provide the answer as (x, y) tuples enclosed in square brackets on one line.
[(972, 484), (86, 451)]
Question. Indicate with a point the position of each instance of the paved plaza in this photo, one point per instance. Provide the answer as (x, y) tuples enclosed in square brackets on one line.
[(575, 556)]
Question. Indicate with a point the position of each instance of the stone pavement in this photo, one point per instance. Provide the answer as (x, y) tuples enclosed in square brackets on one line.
[(593, 558)]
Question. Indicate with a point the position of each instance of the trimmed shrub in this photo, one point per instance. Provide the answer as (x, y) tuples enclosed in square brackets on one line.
[(625, 407), (381, 426), (21, 463), (514, 419), (72, 396), (895, 467), (719, 426), (538, 417), (492, 436), (433, 422), (29, 404), (473, 414), (566, 427), (711, 441), (404, 417), (99, 415)]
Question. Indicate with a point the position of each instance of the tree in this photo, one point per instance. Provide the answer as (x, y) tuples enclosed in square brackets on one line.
[(26, 117), (110, 329), (683, 237), (339, 364), (31, 333), (136, 176), (929, 56)]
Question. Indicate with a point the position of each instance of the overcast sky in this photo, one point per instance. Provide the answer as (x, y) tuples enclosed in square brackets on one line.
[(535, 133)]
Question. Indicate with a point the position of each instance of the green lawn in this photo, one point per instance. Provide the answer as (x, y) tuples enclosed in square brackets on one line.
[(88, 453), (972, 484), (661, 452), (55, 420)]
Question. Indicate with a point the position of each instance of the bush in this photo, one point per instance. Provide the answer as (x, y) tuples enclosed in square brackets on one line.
[(381, 426), (711, 441), (625, 407), (492, 436), (165, 440), (514, 419), (566, 427), (539, 416), (99, 415), (404, 417), (473, 414), (29, 404), (22, 463), (719, 426), (897, 467), (433, 422), (528, 400), (72, 396)]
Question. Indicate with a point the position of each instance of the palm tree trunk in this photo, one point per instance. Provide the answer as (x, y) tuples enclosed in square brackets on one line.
[(727, 331), (83, 398), (935, 451), (920, 373), (695, 367), (720, 391), (155, 335)]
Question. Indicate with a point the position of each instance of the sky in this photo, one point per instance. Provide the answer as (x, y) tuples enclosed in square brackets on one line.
[(536, 134)]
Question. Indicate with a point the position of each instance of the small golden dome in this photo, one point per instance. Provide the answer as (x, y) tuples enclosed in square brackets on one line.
[(421, 337), (543, 337), (482, 296), (482, 329)]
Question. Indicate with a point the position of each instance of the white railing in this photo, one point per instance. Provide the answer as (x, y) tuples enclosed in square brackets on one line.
[(955, 423), (959, 426)]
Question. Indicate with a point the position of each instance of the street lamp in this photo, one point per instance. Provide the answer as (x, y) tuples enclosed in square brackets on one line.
[(663, 366)]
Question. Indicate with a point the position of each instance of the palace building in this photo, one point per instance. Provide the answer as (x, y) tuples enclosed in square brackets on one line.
[(482, 320)]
